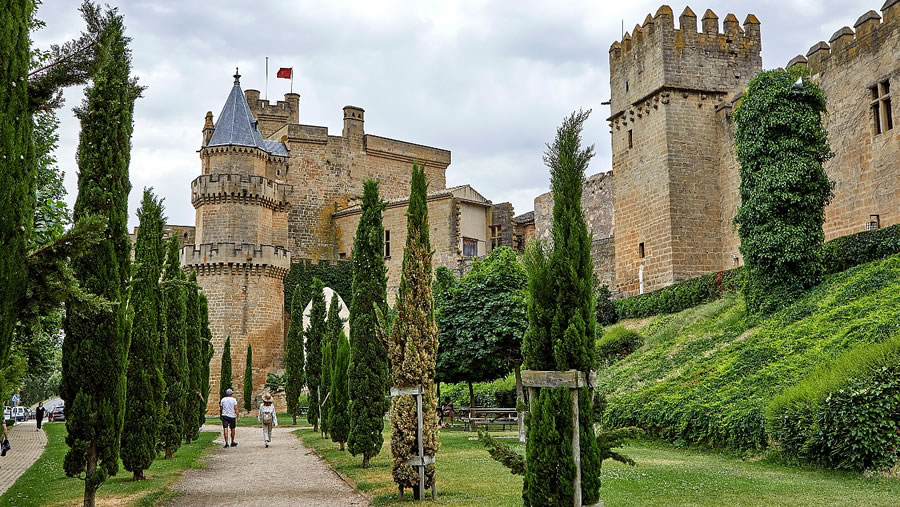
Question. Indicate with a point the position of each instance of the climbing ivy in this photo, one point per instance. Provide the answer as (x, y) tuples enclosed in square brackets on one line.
[(781, 146)]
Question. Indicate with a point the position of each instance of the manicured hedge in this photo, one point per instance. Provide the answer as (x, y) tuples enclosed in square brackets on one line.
[(338, 276), (615, 343), (499, 393), (839, 254), (846, 414), (680, 296)]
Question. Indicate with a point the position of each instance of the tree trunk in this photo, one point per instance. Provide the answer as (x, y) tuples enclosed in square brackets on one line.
[(471, 404), (169, 453), (90, 492), (342, 446), (294, 416), (438, 392), (365, 461), (520, 402), (316, 427), (138, 475)]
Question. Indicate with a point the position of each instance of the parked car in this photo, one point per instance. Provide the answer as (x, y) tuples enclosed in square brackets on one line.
[(57, 414), (19, 413), (7, 413)]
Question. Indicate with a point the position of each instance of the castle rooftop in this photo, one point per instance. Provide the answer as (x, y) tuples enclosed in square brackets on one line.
[(237, 126)]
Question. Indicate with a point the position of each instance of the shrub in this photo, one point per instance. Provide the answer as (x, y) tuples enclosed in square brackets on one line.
[(498, 393), (841, 254), (680, 296), (605, 309), (615, 343), (845, 414)]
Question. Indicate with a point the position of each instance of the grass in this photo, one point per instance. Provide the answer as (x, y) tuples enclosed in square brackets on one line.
[(706, 374), (46, 484), (283, 420), (664, 476)]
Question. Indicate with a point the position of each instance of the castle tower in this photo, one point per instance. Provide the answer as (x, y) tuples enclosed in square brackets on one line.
[(667, 86), (241, 232)]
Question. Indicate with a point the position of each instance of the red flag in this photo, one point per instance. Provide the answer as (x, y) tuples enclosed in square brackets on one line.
[(285, 72)]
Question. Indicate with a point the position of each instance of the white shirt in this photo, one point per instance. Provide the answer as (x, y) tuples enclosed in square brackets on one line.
[(270, 408), (228, 404)]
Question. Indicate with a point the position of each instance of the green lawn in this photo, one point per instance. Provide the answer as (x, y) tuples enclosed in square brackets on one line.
[(46, 484), (664, 476), (283, 420)]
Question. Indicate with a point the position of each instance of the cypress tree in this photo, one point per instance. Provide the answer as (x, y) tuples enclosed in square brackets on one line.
[(176, 350), (248, 379), (413, 344), (145, 384), (95, 349), (339, 422), (293, 356), (334, 323), (562, 328), (325, 389), (369, 374), (225, 376), (194, 403), (17, 186), (315, 335), (207, 352)]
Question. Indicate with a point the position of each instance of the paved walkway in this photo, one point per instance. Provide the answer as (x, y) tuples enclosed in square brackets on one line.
[(27, 446), (285, 473)]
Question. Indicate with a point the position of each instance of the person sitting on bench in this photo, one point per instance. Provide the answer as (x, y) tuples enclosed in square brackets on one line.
[(447, 411)]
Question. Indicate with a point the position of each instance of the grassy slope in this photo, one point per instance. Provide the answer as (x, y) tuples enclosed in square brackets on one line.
[(664, 476), (46, 484), (705, 375)]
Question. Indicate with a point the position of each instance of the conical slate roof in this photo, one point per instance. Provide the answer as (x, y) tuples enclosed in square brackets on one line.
[(237, 126)]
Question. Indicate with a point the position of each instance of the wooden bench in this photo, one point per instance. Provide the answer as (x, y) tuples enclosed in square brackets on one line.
[(485, 417)]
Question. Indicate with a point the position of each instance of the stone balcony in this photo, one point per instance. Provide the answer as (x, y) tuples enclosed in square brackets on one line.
[(219, 188), (210, 258)]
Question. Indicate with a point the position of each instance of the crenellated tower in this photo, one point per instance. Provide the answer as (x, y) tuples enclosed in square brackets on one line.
[(668, 85), (240, 254)]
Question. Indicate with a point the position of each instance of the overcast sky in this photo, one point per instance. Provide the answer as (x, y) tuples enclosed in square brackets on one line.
[(489, 81)]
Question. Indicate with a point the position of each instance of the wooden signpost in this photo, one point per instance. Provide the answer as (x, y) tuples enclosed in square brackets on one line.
[(421, 461), (573, 379)]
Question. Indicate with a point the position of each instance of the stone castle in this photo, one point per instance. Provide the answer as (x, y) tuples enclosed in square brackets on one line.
[(273, 191), (664, 212)]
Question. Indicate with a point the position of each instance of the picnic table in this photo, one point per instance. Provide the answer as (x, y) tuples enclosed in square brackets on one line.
[(474, 417)]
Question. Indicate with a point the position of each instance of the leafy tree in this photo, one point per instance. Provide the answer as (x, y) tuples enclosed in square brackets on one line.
[(781, 145), (315, 335), (327, 401), (293, 356), (339, 422), (562, 329), (225, 375), (17, 186), (413, 344), (606, 310), (95, 351), (176, 363), (194, 398), (368, 371), (145, 384), (248, 380)]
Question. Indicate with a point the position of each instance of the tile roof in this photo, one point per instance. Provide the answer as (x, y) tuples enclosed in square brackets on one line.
[(237, 126)]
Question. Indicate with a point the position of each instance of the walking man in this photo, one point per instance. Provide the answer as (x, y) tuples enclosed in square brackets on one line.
[(229, 416), (267, 417), (39, 415)]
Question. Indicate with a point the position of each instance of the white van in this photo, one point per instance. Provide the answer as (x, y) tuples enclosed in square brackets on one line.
[(18, 413)]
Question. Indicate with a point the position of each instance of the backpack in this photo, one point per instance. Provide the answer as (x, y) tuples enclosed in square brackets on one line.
[(267, 416)]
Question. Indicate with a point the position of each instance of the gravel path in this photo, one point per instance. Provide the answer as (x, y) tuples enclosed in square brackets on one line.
[(27, 446), (285, 473)]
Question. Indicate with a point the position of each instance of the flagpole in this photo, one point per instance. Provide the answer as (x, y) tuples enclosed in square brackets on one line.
[(292, 80), (267, 78)]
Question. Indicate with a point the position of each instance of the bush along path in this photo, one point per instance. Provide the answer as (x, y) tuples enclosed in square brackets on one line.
[(285, 473)]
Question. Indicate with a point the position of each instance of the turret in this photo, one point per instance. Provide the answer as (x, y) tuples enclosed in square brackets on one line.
[(354, 126), (208, 128)]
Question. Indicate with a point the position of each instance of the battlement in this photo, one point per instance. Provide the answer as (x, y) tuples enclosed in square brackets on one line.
[(269, 260), (655, 54), (273, 116), (866, 37), (407, 152), (237, 188)]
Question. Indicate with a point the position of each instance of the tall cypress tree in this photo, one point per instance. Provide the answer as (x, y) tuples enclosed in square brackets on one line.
[(334, 323), (293, 356), (413, 344), (248, 380), (225, 372), (207, 350), (95, 350), (194, 403), (339, 416), (369, 374), (325, 389), (315, 335), (176, 350), (17, 186), (562, 328), (145, 384)]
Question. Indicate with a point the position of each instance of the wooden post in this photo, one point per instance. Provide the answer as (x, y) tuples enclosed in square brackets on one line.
[(576, 448)]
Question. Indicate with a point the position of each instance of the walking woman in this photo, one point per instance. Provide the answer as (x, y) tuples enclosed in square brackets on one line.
[(39, 415), (267, 417)]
